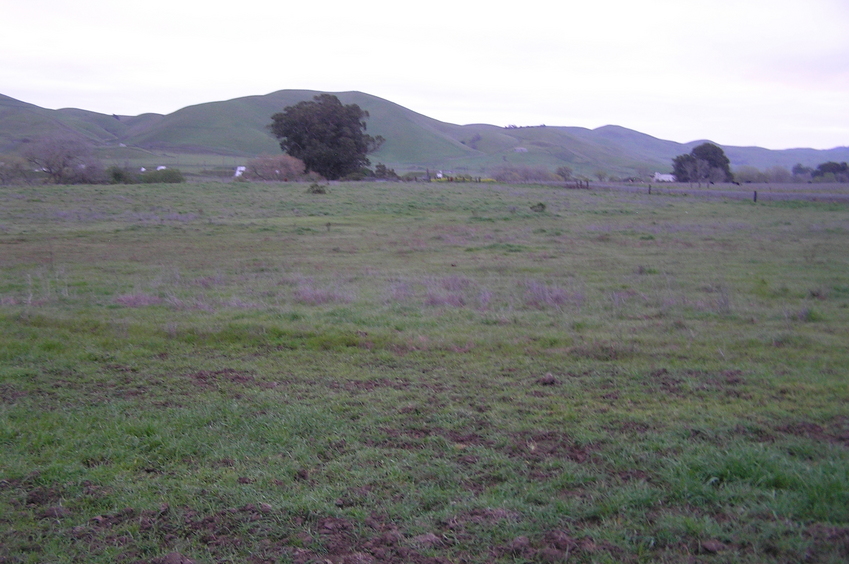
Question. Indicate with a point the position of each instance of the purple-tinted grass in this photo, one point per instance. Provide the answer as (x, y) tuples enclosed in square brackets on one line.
[(208, 281), (241, 304), (484, 298), (401, 292), (456, 283), (434, 299), (541, 296), (137, 300), (308, 294), (196, 304)]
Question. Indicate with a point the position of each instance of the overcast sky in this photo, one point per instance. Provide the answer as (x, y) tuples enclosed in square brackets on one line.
[(772, 73)]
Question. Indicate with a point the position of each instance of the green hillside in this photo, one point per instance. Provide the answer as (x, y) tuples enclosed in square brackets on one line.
[(229, 132)]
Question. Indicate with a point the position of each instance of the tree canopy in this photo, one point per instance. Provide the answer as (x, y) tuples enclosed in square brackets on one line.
[(326, 135), (65, 160), (705, 163), (832, 171)]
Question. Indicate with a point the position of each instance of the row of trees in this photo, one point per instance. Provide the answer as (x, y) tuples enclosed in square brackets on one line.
[(324, 138), (708, 163), (772, 175), (62, 160), (65, 161), (824, 172)]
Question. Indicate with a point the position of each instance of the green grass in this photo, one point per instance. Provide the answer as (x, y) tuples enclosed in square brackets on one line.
[(411, 373)]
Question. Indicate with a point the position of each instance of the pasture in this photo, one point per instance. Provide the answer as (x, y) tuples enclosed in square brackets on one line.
[(236, 372)]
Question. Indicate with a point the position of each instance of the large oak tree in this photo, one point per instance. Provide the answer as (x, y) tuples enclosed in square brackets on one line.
[(705, 163), (326, 135)]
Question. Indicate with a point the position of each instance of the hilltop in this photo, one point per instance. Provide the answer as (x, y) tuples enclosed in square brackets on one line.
[(231, 131)]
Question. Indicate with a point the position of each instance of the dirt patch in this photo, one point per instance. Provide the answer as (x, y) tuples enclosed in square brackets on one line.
[(486, 516), (212, 379), (693, 382), (542, 445), (40, 496), (354, 497), (668, 383), (558, 546), (826, 540), (602, 351), (732, 377), (755, 433), (548, 380), (370, 385), (9, 395), (836, 431), (411, 439)]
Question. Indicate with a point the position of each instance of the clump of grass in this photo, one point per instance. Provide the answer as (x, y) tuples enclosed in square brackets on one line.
[(434, 299), (807, 314), (456, 283), (540, 295), (401, 291)]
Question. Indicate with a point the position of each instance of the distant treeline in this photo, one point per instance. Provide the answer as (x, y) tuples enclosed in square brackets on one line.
[(824, 172), (58, 160)]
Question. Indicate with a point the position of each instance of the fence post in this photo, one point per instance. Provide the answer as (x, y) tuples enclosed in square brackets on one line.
[(756, 196)]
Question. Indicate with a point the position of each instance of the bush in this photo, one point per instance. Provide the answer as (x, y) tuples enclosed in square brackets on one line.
[(164, 176), (359, 175), (382, 172), (13, 170), (525, 174), (65, 161), (279, 168), (118, 175)]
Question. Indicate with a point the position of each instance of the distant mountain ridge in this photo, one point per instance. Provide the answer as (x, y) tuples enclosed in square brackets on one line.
[(238, 128)]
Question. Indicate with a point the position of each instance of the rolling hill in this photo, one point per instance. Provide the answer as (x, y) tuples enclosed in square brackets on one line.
[(235, 130)]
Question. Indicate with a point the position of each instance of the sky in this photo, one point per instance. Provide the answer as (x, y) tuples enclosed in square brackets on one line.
[(768, 73)]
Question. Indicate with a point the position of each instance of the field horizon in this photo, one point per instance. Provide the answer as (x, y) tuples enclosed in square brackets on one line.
[(223, 134)]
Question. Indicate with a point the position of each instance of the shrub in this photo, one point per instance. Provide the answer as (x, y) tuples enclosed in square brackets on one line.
[(164, 176), (280, 168), (65, 161), (118, 175), (13, 169), (359, 175), (525, 174), (381, 171)]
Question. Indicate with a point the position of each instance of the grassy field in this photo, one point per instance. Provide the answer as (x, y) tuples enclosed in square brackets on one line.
[(420, 373)]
